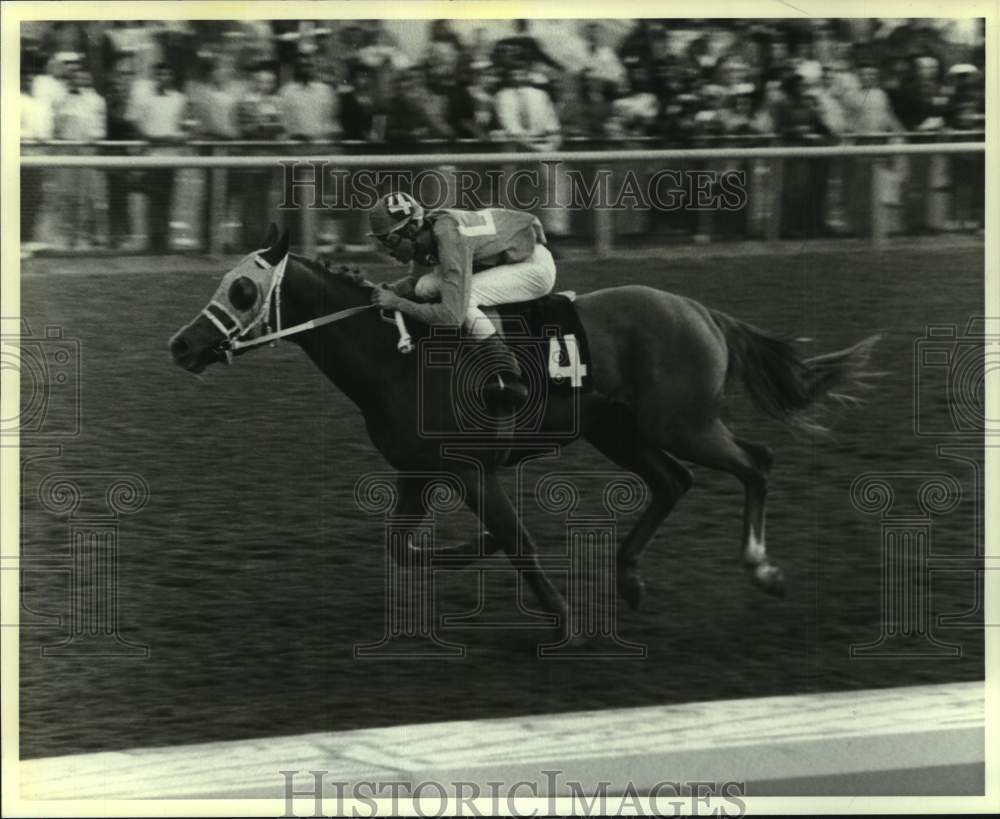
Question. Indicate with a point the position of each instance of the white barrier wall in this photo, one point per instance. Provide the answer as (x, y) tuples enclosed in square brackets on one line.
[(921, 740)]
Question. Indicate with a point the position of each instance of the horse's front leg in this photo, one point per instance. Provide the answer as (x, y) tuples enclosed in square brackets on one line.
[(415, 499), (487, 498)]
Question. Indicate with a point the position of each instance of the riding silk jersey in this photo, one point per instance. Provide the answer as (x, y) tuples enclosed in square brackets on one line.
[(467, 241)]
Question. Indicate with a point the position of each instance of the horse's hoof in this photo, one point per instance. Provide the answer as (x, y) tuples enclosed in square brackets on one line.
[(631, 587), (770, 579)]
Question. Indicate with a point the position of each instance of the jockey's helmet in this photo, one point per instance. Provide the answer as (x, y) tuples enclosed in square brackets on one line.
[(393, 212)]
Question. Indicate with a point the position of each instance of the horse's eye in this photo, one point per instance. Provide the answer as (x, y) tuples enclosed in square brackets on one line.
[(242, 293)]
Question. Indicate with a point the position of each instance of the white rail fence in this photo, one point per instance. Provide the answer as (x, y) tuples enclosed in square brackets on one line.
[(920, 740), (769, 161)]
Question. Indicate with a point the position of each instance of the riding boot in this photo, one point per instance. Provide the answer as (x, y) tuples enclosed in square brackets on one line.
[(505, 382)]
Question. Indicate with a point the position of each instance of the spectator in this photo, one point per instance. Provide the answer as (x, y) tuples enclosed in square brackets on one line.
[(634, 113), (410, 119), (602, 64), (736, 114), (36, 110), (441, 85), (525, 113), (120, 127), (258, 117), (521, 51), (215, 99), (381, 49), (162, 118), (585, 105), (444, 48), (797, 120), (81, 116), (471, 106), (637, 45), (480, 48), (918, 102), (869, 110), (50, 84), (308, 106), (362, 116), (36, 123)]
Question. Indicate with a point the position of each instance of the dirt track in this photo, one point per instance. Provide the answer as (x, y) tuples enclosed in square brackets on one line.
[(251, 574)]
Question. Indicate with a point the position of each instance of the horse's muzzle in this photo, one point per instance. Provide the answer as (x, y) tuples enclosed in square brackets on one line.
[(193, 358)]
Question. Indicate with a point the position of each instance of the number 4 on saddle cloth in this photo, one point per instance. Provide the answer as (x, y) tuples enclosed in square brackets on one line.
[(550, 343)]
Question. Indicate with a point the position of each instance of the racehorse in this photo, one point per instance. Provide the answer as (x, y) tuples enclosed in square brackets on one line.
[(660, 364)]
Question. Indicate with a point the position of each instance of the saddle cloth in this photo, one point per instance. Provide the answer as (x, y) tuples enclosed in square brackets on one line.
[(547, 331)]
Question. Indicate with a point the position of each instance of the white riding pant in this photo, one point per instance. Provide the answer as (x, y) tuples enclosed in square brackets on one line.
[(521, 281)]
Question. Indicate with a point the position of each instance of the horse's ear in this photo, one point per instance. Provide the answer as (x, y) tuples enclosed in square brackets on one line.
[(277, 250), (271, 237)]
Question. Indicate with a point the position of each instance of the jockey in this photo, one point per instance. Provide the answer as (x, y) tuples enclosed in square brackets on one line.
[(462, 260)]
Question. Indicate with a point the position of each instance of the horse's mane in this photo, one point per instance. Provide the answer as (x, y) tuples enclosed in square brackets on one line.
[(323, 268)]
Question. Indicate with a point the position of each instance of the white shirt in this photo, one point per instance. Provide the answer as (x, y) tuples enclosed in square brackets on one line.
[(161, 115), (36, 118), (81, 116), (526, 111), (870, 112), (48, 88), (309, 110)]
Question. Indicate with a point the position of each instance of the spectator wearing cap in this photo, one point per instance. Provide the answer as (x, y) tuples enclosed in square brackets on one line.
[(81, 117), (308, 106), (162, 117)]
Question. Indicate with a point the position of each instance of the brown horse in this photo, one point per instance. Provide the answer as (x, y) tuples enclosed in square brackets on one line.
[(659, 365)]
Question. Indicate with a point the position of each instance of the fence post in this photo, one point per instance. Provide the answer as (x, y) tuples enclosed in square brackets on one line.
[(216, 192), (772, 230), (879, 208)]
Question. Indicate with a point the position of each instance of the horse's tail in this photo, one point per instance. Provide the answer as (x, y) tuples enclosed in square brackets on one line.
[(784, 385)]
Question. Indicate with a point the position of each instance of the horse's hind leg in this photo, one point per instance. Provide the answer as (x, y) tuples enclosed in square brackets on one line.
[(716, 447), (668, 479)]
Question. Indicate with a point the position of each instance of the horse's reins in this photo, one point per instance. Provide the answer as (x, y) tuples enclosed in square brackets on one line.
[(234, 341)]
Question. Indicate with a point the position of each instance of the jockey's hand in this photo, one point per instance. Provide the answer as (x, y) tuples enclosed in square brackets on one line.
[(385, 298)]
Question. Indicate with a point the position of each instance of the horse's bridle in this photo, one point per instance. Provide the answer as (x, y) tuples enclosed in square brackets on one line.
[(234, 335)]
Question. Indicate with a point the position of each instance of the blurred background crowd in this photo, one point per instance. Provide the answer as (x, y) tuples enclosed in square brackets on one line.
[(415, 86)]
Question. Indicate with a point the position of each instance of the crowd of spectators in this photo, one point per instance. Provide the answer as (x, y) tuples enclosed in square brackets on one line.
[(675, 80), (535, 83)]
